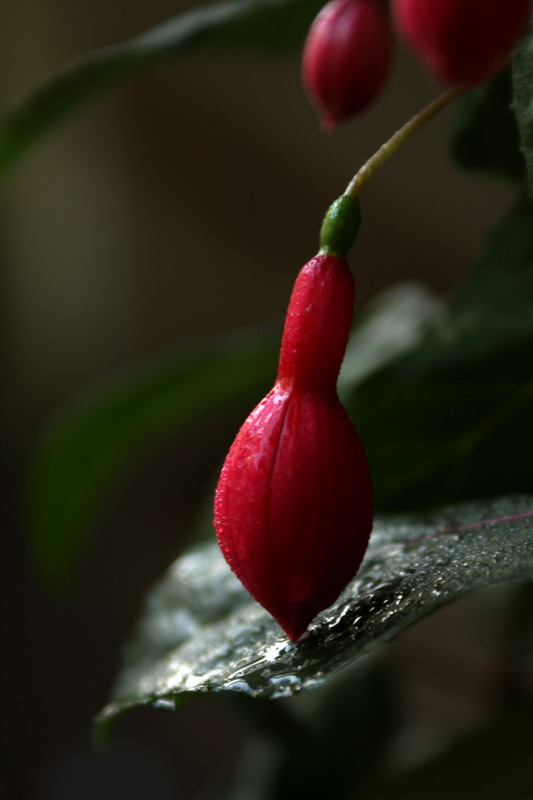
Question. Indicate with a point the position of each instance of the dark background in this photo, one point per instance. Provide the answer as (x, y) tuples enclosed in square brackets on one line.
[(180, 206)]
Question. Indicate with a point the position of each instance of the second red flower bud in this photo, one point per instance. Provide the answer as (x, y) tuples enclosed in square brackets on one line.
[(347, 57), (462, 41)]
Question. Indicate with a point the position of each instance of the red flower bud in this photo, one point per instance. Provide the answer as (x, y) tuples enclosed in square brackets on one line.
[(347, 57), (293, 507), (462, 41)]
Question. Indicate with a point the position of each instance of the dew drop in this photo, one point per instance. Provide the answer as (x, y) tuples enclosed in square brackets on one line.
[(284, 685), (238, 686), (164, 704)]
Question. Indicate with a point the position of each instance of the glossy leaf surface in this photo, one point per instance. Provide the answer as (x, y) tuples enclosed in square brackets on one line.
[(201, 632)]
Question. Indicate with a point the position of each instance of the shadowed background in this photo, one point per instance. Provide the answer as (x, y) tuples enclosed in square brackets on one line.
[(180, 206)]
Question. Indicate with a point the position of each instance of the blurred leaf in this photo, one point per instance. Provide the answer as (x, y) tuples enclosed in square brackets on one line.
[(491, 763), (329, 744), (523, 99), (201, 631), (485, 137), (452, 418), (91, 445), (249, 24), (394, 322), (353, 723), (276, 26)]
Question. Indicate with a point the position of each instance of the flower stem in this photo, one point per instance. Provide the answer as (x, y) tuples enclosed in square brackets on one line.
[(397, 139)]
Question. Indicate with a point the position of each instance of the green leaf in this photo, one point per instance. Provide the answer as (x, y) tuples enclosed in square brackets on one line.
[(98, 437), (489, 763), (452, 418), (485, 136), (201, 632), (240, 23), (523, 100)]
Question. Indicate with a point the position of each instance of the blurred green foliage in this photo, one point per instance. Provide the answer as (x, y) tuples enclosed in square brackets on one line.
[(485, 137), (448, 418), (453, 417), (93, 443), (238, 24)]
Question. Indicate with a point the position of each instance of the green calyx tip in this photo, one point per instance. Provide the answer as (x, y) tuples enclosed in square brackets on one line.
[(340, 226)]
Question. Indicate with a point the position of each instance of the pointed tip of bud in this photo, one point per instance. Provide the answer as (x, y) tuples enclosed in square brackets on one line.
[(328, 123), (296, 626)]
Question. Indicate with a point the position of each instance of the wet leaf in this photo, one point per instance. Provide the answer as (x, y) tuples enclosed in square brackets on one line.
[(523, 100), (241, 23), (201, 632)]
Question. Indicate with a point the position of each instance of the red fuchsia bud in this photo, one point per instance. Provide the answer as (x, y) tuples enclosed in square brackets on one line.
[(347, 57), (462, 41), (293, 507)]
